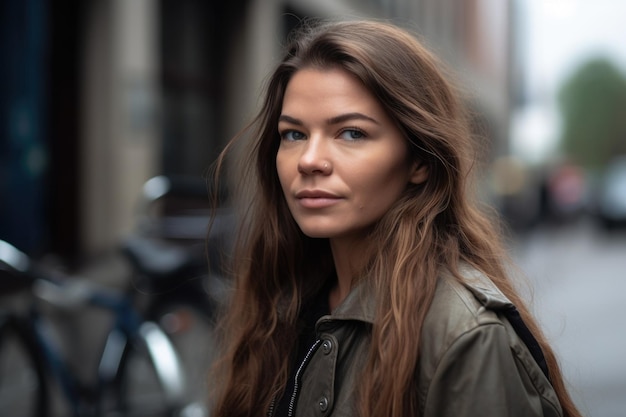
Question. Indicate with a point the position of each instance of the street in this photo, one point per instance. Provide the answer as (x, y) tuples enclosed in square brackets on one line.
[(578, 277)]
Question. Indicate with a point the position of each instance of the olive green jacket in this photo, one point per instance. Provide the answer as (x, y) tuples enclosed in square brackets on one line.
[(472, 361)]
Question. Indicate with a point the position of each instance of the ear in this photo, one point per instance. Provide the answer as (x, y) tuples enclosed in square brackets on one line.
[(420, 173)]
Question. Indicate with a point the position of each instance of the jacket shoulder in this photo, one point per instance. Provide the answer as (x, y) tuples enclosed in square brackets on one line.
[(466, 339), (458, 307)]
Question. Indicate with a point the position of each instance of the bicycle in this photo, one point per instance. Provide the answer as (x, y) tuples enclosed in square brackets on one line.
[(177, 269), (139, 371)]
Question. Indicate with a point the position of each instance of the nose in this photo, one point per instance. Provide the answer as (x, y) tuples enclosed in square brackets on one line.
[(314, 159)]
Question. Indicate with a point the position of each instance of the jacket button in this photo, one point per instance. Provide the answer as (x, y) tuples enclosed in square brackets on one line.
[(323, 403), (327, 346)]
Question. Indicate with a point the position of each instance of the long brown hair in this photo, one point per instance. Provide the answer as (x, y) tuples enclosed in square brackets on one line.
[(434, 225)]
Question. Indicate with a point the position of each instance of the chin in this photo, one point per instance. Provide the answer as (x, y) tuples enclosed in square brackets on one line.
[(315, 233)]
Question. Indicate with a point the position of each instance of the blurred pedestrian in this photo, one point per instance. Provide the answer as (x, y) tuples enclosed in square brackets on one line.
[(367, 281)]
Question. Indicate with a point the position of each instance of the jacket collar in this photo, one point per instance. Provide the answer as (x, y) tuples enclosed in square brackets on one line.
[(360, 304), (484, 289)]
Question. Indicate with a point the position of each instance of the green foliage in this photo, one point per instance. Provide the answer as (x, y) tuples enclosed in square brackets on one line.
[(593, 109)]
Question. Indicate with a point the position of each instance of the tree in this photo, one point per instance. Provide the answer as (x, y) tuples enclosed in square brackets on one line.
[(593, 108)]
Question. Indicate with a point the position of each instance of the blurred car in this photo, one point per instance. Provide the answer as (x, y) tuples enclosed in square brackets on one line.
[(564, 192), (611, 198)]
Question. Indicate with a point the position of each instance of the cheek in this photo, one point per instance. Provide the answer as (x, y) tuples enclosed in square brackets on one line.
[(386, 177), (284, 171), (380, 188)]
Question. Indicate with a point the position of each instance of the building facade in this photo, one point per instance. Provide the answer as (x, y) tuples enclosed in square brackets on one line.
[(138, 88)]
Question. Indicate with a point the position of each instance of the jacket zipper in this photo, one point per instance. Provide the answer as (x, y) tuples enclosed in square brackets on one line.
[(296, 383), (270, 411)]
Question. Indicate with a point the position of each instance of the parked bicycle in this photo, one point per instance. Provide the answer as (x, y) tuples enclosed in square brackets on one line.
[(139, 371), (177, 269), (171, 292)]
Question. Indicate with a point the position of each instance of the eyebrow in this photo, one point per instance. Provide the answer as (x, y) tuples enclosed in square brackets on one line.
[(332, 121)]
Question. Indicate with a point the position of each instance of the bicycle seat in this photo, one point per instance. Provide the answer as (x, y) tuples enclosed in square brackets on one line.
[(162, 260)]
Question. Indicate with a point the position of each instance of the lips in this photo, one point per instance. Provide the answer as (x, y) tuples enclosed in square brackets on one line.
[(316, 199), (315, 194)]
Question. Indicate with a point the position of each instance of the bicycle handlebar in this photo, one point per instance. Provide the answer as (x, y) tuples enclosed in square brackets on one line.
[(14, 266), (13, 257), (19, 272)]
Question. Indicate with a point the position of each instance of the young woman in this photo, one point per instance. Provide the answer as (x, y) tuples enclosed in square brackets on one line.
[(367, 282)]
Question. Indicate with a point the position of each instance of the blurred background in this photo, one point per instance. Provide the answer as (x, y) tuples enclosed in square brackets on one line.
[(98, 96)]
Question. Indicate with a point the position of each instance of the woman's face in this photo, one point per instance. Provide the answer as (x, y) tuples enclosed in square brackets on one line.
[(342, 162)]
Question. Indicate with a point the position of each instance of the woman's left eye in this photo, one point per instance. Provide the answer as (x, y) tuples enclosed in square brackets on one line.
[(352, 134)]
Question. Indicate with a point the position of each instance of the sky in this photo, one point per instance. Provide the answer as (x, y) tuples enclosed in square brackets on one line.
[(556, 37)]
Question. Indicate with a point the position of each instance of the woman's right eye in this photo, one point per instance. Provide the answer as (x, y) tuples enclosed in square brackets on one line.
[(292, 135)]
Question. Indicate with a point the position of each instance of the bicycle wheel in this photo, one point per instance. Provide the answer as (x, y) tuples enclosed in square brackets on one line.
[(192, 333), (23, 388), (149, 380)]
